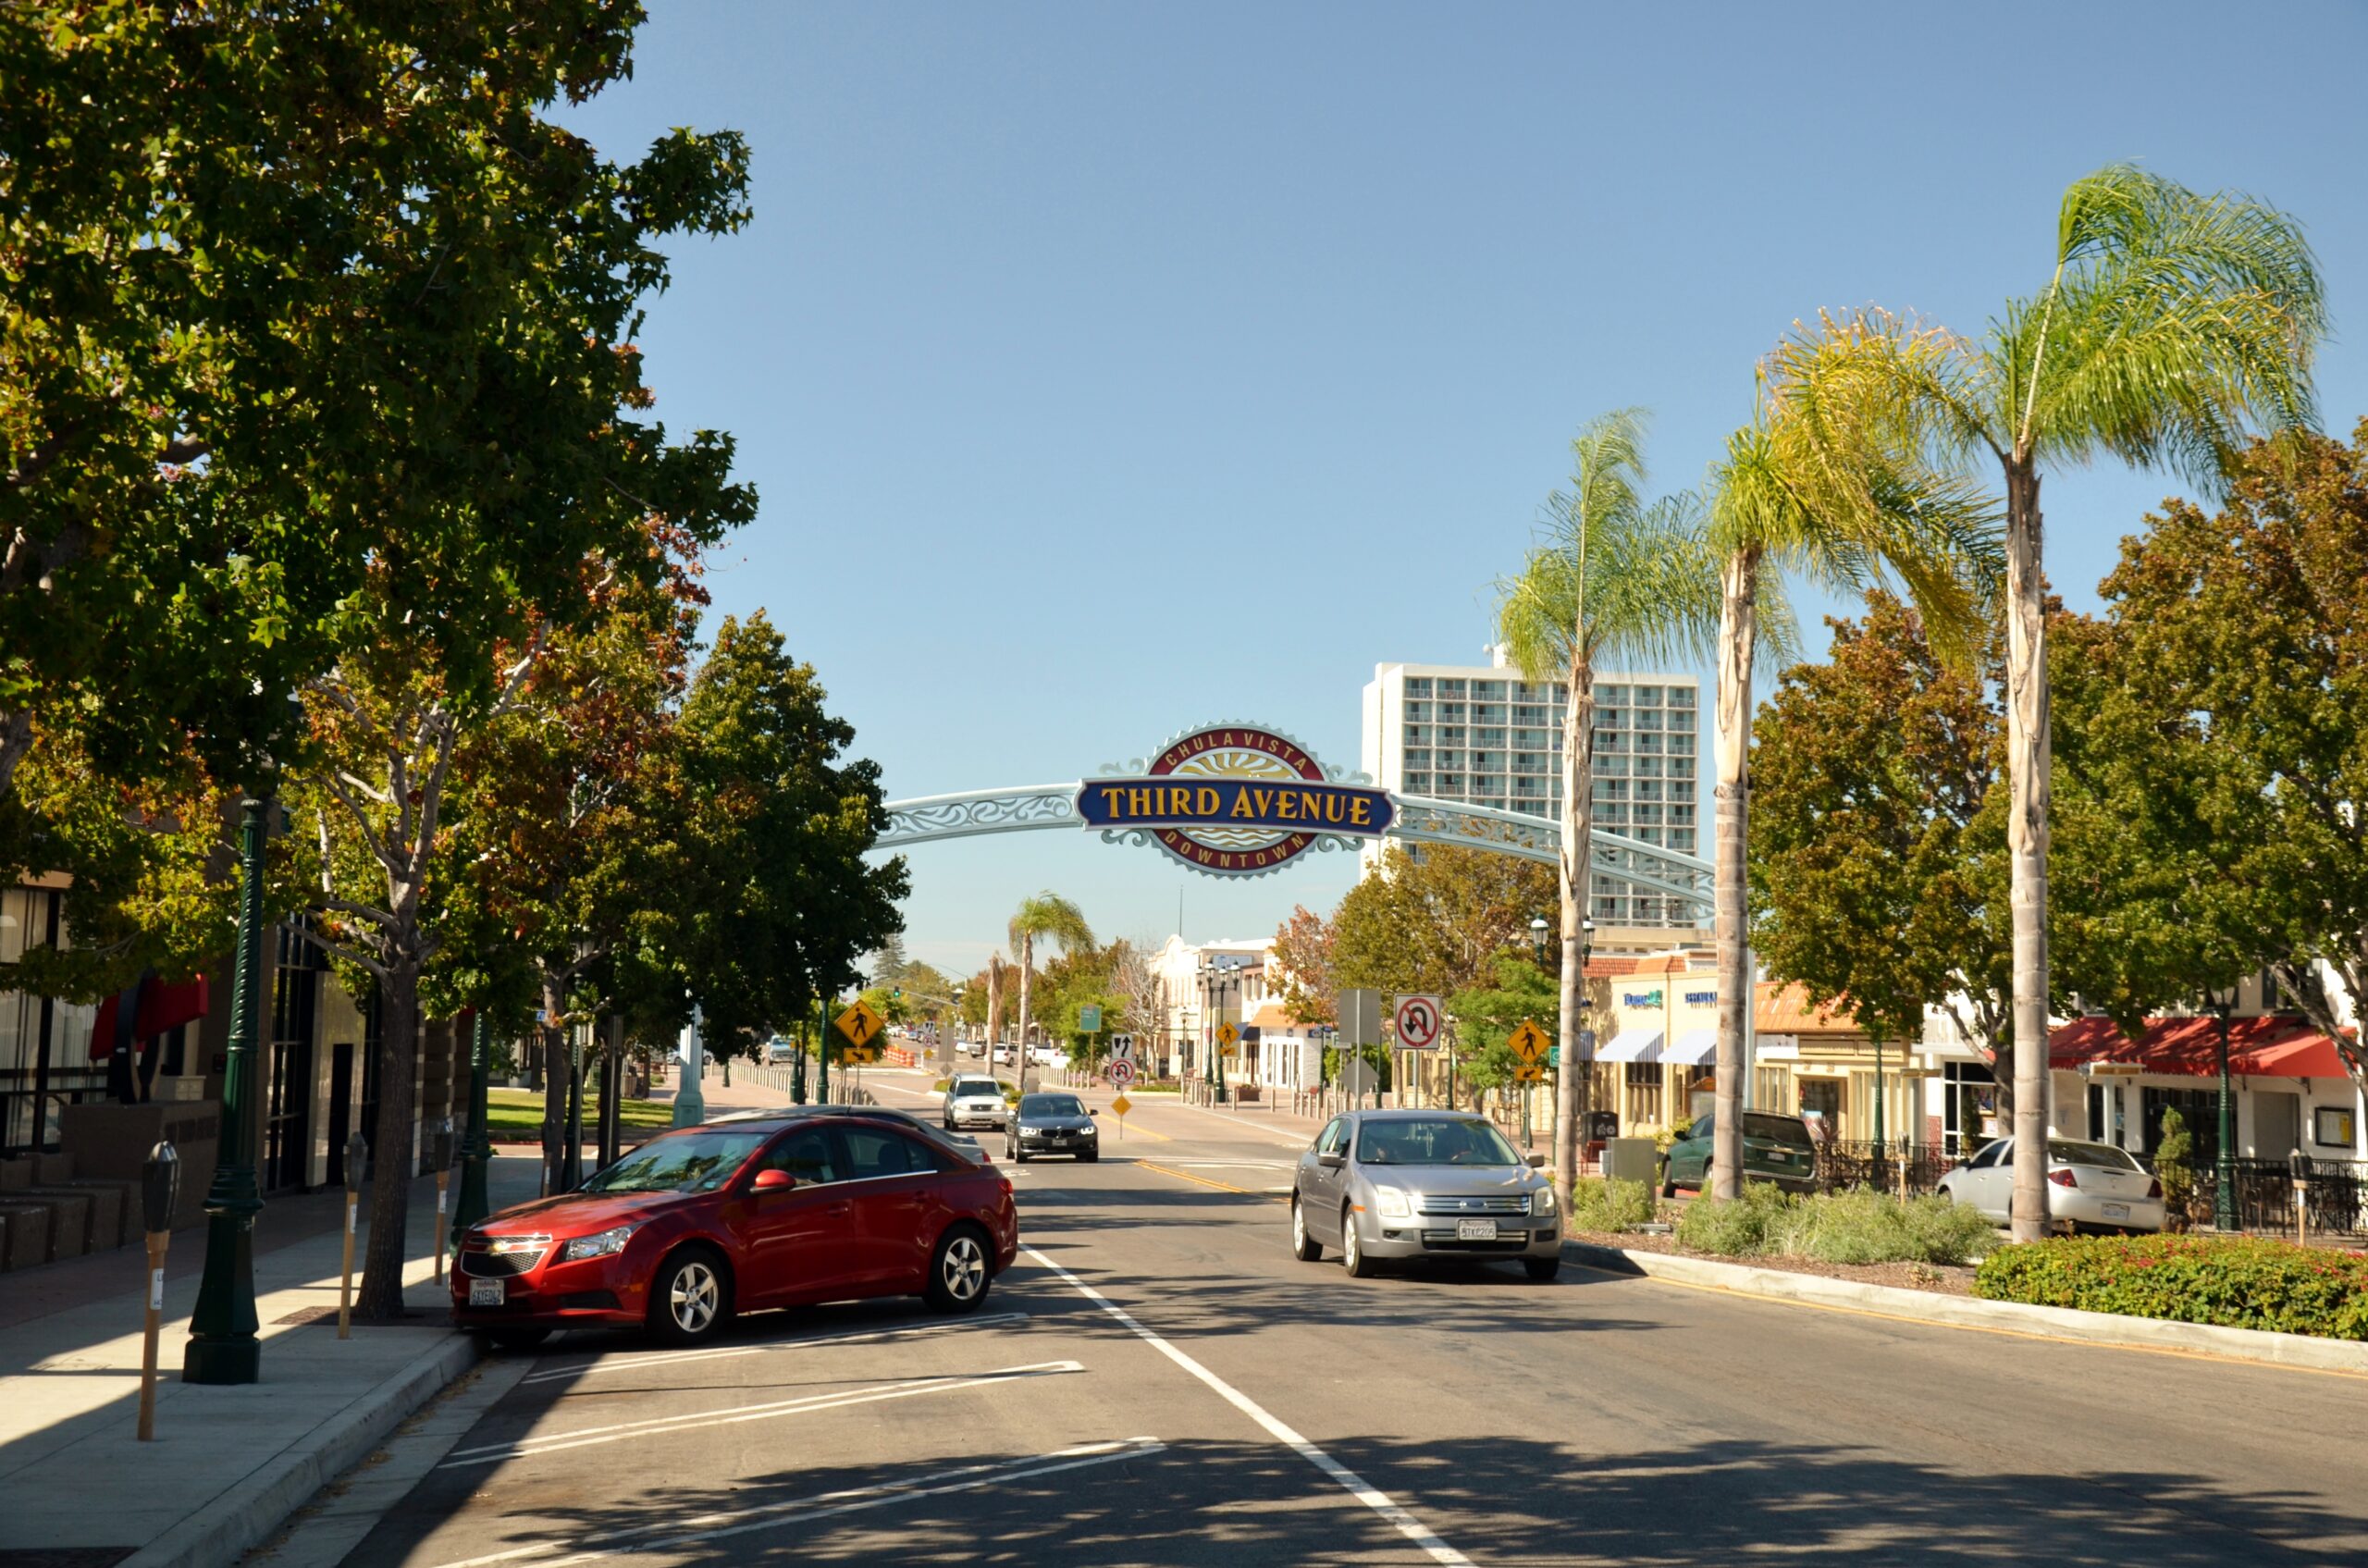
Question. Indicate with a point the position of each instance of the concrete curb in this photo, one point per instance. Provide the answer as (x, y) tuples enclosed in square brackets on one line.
[(244, 1518), (1969, 1312)]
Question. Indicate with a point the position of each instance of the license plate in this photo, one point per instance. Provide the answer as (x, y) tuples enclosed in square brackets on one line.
[(2116, 1211), (488, 1292), (1475, 1229)]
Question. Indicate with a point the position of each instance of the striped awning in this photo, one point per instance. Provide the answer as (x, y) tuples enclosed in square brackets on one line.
[(1695, 1048), (1633, 1046)]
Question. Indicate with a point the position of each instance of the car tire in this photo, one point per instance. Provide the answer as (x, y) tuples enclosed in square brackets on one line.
[(690, 1301), (961, 1269), (1542, 1271), (517, 1340), (1669, 1188), (1305, 1247), (1352, 1251), (1089, 1157)]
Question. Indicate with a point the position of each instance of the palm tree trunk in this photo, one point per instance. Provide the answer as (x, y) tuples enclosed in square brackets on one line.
[(1572, 1079), (2028, 749), (994, 1008), (1731, 806), (1020, 1051)]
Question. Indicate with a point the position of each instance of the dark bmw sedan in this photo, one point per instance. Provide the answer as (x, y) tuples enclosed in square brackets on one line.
[(699, 1224), (1053, 1123)]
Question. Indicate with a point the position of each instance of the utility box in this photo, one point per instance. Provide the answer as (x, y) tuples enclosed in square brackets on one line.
[(1630, 1159)]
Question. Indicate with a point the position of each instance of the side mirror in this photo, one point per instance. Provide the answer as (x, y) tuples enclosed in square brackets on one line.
[(1333, 1160), (775, 1181), (1091, 1112), (1537, 1162)]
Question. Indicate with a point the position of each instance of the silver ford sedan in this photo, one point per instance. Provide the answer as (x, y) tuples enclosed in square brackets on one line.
[(1403, 1184)]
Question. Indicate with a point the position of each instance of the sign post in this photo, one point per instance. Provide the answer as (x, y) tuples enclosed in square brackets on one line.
[(440, 1156), (160, 1181), (1359, 1011)]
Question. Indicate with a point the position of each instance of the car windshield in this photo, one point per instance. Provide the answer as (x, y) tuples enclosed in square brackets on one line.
[(1051, 1106), (2063, 1151), (689, 1162), (1776, 1129), (1433, 1140), (979, 1086)]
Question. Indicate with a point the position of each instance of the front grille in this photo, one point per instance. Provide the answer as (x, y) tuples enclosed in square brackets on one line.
[(475, 1261), (1432, 1203), (1445, 1242)]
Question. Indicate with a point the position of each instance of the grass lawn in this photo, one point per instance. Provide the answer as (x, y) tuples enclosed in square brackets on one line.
[(518, 1113)]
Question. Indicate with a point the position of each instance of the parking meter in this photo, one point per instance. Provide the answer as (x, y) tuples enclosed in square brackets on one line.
[(440, 1159), (160, 1185), (357, 1155)]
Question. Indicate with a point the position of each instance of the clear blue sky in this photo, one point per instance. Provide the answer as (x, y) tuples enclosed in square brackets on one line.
[(1106, 369)]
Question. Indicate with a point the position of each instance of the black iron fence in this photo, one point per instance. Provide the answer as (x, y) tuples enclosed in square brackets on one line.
[(1843, 1164), (2335, 1195)]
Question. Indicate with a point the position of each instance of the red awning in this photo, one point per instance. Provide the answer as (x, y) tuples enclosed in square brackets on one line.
[(2257, 1047), (161, 1007)]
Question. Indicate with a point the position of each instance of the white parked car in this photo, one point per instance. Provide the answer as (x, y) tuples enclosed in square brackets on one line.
[(780, 1049), (1003, 1056), (2089, 1186), (1047, 1056)]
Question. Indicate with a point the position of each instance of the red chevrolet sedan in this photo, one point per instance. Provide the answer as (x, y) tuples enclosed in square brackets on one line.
[(701, 1223)]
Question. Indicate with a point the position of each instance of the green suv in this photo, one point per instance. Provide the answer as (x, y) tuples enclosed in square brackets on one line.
[(1775, 1148)]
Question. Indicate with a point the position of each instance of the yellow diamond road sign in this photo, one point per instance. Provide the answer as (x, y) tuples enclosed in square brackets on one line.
[(1528, 1042), (860, 1024), (1121, 1105), (1227, 1035)]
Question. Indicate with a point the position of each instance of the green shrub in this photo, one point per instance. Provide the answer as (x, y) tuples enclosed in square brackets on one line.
[(1608, 1205), (2251, 1283), (1868, 1226), (1744, 1226), (1858, 1226)]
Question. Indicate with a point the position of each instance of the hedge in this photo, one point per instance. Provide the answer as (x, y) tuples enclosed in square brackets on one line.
[(1857, 1226), (2249, 1283)]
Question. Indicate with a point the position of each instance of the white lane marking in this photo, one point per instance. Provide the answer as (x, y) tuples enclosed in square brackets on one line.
[(559, 1442), (1275, 1133), (853, 1499), (1413, 1529), (724, 1352)]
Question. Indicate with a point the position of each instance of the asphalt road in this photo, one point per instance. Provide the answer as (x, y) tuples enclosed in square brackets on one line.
[(1157, 1381)]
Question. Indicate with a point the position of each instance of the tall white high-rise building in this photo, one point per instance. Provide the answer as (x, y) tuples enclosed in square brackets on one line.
[(1480, 734)]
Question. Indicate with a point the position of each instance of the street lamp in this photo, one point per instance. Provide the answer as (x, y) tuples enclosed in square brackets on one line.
[(1537, 939), (2224, 1159), (476, 1156), (222, 1344)]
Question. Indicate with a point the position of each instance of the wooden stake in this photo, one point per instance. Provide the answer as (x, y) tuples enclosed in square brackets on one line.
[(155, 1315)]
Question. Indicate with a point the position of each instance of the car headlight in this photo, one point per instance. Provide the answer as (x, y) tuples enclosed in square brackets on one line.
[(1391, 1203), (606, 1245), (1541, 1203)]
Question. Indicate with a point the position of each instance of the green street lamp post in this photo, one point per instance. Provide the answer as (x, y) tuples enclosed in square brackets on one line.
[(822, 1051), (476, 1156), (2224, 1158), (222, 1343)]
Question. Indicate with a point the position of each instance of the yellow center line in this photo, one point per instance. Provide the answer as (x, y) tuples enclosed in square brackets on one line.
[(1212, 1181), (1977, 1327)]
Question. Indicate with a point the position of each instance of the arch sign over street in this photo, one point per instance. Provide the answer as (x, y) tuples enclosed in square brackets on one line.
[(1245, 800)]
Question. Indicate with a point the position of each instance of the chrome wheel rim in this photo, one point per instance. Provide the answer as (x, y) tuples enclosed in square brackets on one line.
[(695, 1296), (1349, 1248), (964, 1268), (1298, 1226)]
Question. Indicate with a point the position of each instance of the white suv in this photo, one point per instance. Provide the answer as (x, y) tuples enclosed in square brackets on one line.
[(974, 1102)]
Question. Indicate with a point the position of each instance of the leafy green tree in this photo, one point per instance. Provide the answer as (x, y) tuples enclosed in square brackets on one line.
[(2240, 705), (2174, 322), (316, 316), (1434, 924), (1485, 1016), (772, 902), (1304, 953), (1615, 577), (1050, 917)]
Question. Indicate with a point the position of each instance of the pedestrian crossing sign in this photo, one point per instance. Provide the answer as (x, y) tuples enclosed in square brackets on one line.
[(1529, 1043), (860, 1024)]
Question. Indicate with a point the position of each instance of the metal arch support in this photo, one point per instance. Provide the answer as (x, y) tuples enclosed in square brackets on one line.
[(1648, 868), (929, 818)]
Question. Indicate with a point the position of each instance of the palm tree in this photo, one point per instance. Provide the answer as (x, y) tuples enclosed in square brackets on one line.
[(1934, 532), (1058, 921), (1615, 577), (2176, 324)]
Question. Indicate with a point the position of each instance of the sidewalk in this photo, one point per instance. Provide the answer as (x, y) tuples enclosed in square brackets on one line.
[(229, 1463)]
